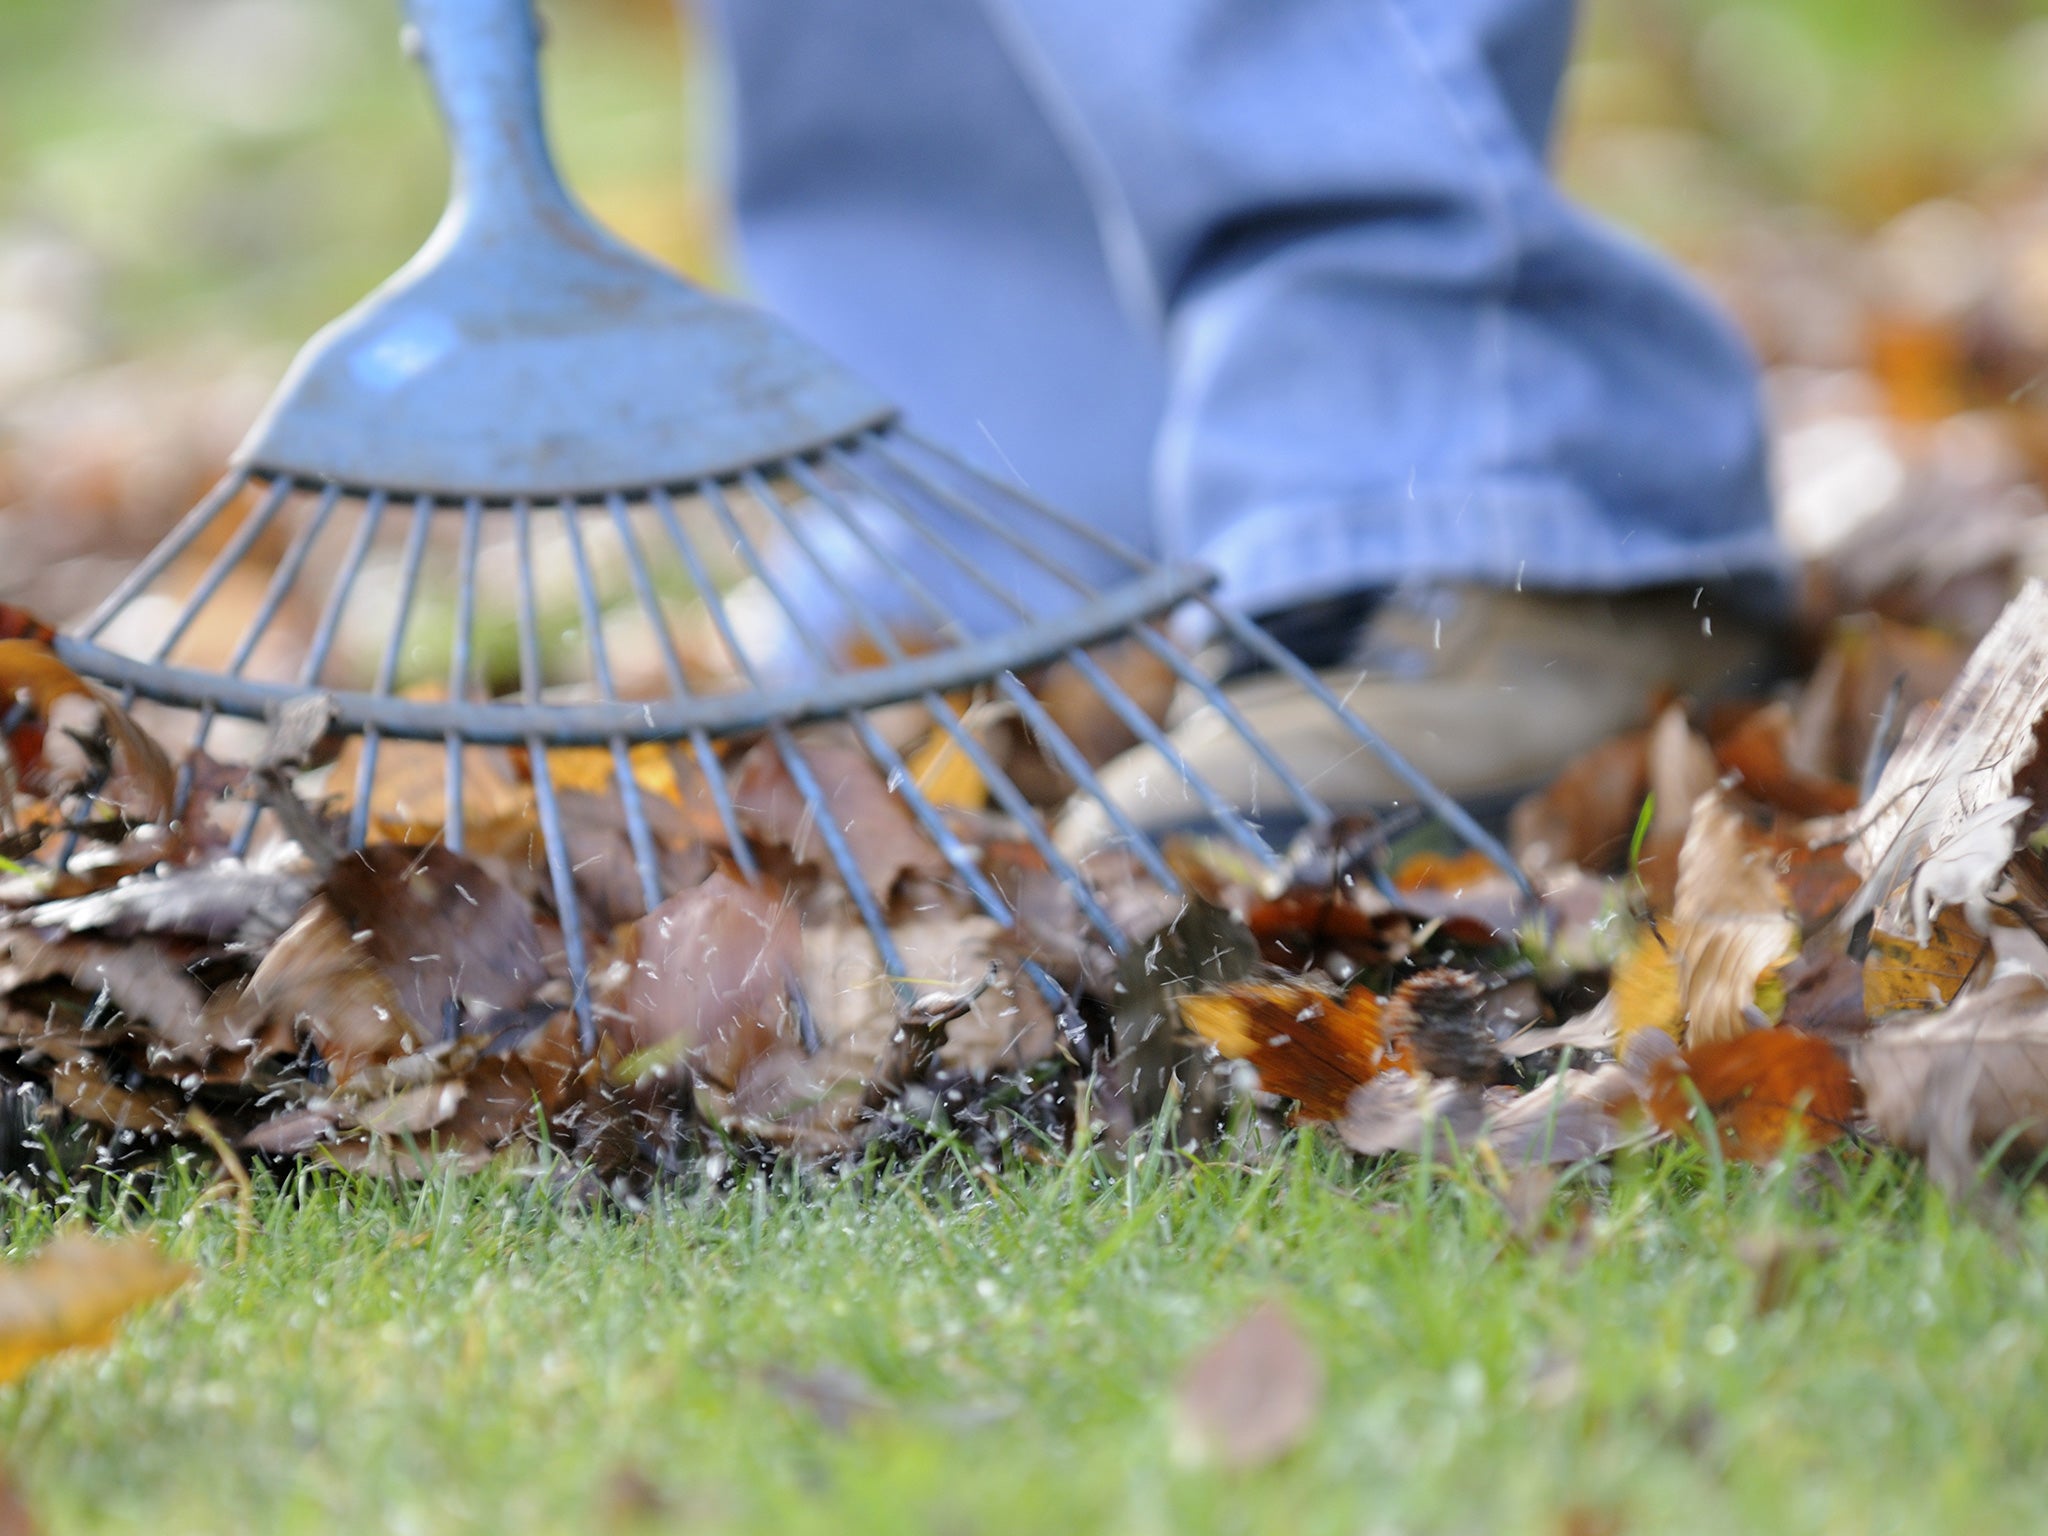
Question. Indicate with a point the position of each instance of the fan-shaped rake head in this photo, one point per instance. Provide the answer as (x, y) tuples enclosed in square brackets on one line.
[(530, 502)]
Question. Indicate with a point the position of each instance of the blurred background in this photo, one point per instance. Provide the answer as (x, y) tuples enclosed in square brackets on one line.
[(189, 187)]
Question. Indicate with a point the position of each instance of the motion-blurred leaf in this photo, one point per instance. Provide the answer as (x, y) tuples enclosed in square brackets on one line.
[(74, 1293)]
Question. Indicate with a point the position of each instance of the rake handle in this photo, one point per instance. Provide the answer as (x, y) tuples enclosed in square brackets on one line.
[(482, 57)]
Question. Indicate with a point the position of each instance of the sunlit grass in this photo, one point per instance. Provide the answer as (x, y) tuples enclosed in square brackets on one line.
[(477, 1355)]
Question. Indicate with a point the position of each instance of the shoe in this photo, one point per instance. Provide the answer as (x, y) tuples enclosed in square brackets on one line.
[(1488, 692)]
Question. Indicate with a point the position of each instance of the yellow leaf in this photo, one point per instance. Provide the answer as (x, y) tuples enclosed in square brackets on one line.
[(74, 1293), (1903, 977), (1645, 990), (945, 776)]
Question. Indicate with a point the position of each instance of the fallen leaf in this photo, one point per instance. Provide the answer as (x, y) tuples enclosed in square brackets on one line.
[(1251, 1396), (1643, 993), (452, 942), (1438, 1017), (73, 1294), (1306, 1044), (1761, 1088), (1901, 975), (1585, 816), (1954, 1085), (81, 1086), (1759, 752), (1942, 820), (883, 837), (31, 673), (1733, 925)]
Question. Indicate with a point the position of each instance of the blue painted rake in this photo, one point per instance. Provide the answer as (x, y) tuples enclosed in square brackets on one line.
[(526, 378)]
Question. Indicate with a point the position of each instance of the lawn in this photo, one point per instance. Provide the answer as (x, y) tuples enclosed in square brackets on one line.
[(957, 1355)]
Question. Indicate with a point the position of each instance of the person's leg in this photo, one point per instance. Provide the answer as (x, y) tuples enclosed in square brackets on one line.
[(902, 201), (1395, 352)]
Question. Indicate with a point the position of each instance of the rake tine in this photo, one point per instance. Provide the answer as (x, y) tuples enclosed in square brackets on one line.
[(175, 543), (338, 595), (645, 860), (1446, 809), (950, 847), (239, 543), (1311, 806), (454, 829), (679, 682), (936, 705), (387, 665), (553, 844)]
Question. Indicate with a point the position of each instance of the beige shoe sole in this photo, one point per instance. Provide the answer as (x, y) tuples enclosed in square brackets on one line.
[(1489, 698)]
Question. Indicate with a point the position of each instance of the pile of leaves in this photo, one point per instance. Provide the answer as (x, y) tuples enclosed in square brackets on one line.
[(1733, 940)]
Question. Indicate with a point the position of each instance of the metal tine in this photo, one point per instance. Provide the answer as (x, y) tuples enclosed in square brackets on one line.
[(283, 579), (175, 543), (1311, 806), (453, 831), (951, 848), (957, 856), (936, 705), (1452, 814), (645, 860), (324, 633), (1241, 628), (1042, 725), (679, 682), (387, 665), (1115, 548), (338, 595), (553, 844), (238, 545), (785, 741)]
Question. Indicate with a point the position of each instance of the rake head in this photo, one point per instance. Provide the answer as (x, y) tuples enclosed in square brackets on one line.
[(505, 508)]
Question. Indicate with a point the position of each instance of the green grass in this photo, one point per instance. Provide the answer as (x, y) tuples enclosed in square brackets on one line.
[(472, 1355)]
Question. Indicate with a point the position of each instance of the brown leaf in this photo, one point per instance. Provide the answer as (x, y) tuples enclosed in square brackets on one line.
[(1564, 1120), (317, 978), (1253, 1395), (31, 672), (1312, 926), (1758, 752), (1761, 1088), (1901, 976), (81, 1086), (1307, 1045), (1586, 814), (1734, 930), (1953, 1085), (74, 1293), (885, 840), (450, 940)]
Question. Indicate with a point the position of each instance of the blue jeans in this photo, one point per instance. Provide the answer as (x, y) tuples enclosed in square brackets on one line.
[(1279, 285)]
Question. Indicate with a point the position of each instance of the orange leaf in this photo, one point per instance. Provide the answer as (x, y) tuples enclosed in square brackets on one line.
[(1307, 1045), (1760, 1087), (73, 1294), (1903, 977), (1429, 871)]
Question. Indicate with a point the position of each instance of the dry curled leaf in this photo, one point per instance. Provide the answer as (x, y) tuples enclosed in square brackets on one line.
[(1942, 820), (74, 1293), (1733, 921), (1251, 1396)]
